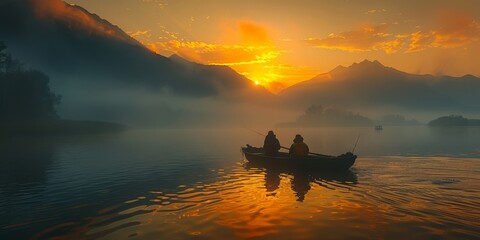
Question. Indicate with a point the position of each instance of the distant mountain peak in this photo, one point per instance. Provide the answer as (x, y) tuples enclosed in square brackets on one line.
[(368, 64), (339, 68), (78, 19), (366, 68), (363, 67)]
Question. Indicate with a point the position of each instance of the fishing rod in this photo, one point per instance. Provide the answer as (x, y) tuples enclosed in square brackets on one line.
[(263, 135), (255, 131), (355, 146)]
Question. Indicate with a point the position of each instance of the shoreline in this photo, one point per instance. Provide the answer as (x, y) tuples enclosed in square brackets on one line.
[(59, 127)]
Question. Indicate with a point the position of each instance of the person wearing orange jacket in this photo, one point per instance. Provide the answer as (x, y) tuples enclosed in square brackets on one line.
[(299, 148)]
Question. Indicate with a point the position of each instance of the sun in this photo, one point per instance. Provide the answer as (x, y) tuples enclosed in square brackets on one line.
[(257, 83)]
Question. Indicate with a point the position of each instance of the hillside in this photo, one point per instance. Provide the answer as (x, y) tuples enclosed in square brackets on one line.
[(103, 74), (70, 42), (372, 85)]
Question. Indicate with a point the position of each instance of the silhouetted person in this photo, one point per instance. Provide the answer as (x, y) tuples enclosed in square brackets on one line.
[(298, 148), (271, 145)]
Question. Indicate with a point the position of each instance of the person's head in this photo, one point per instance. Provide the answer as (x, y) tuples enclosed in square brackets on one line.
[(270, 133), (298, 138)]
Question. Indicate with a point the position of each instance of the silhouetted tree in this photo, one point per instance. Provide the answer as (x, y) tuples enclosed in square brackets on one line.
[(25, 95)]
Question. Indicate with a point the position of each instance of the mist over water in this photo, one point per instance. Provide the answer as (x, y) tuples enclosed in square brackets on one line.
[(194, 183), (178, 173)]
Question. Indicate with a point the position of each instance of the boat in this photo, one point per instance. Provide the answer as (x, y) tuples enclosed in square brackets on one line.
[(312, 161)]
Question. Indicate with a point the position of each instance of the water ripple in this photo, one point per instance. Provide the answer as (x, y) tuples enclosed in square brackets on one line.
[(377, 199)]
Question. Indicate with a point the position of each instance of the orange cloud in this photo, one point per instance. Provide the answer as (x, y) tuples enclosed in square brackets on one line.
[(220, 54), (373, 11), (255, 55), (254, 34), (140, 33), (256, 47), (258, 63), (157, 3), (367, 38), (153, 48), (456, 30), (276, 76), (420, 41)]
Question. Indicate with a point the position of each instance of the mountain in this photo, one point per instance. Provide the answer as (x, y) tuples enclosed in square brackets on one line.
[(68, 42), (369, 84), (465, 89), (103, 74)]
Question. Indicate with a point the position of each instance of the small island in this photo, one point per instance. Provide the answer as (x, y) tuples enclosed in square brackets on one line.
[(27, 104), (453, 120)]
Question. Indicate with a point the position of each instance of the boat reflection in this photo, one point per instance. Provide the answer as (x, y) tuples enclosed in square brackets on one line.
[(301, 179)]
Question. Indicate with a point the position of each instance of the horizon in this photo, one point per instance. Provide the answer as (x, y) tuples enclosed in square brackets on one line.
[(435, 37), (351, 117)]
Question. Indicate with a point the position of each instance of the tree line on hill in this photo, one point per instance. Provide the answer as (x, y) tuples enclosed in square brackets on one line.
[(318, 116), (454, 120), (27, 104), (25, 94)]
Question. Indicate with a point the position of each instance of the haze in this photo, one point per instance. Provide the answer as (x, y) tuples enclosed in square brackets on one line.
[(123, 119), (279, 44), (220, 63)]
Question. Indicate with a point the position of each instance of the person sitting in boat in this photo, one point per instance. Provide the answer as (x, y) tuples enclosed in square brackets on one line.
[(271, 145), (298, 148)]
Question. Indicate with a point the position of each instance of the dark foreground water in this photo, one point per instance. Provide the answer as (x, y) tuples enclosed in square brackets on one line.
[(408, 182)]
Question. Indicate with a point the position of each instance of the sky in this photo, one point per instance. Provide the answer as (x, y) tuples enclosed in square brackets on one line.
[(280, 43)]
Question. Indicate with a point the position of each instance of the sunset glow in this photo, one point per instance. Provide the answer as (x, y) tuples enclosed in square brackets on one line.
[(278, 45), (220, 119)]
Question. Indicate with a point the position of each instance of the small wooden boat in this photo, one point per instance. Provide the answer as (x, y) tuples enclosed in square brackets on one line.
[(313, 161)]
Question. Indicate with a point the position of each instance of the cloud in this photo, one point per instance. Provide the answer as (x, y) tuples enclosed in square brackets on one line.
[(220, 54), (140, 33), (275, 75), (366, 38), (455, 30), (153, 47), (253, 53), (254, 34), (373, 11), (157, 3), (254, 46), (420, 41)]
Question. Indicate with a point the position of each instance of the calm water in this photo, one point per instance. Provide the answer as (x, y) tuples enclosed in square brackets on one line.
[(416, 182)]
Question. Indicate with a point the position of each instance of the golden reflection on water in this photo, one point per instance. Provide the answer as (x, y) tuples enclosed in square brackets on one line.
[(247, 202)]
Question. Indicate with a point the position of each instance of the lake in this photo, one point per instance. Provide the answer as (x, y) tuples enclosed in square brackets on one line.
[(417, 182)]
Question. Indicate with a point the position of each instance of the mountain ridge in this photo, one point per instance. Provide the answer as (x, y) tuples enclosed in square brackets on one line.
[(72, 42), (373, 84), (105, 75)]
